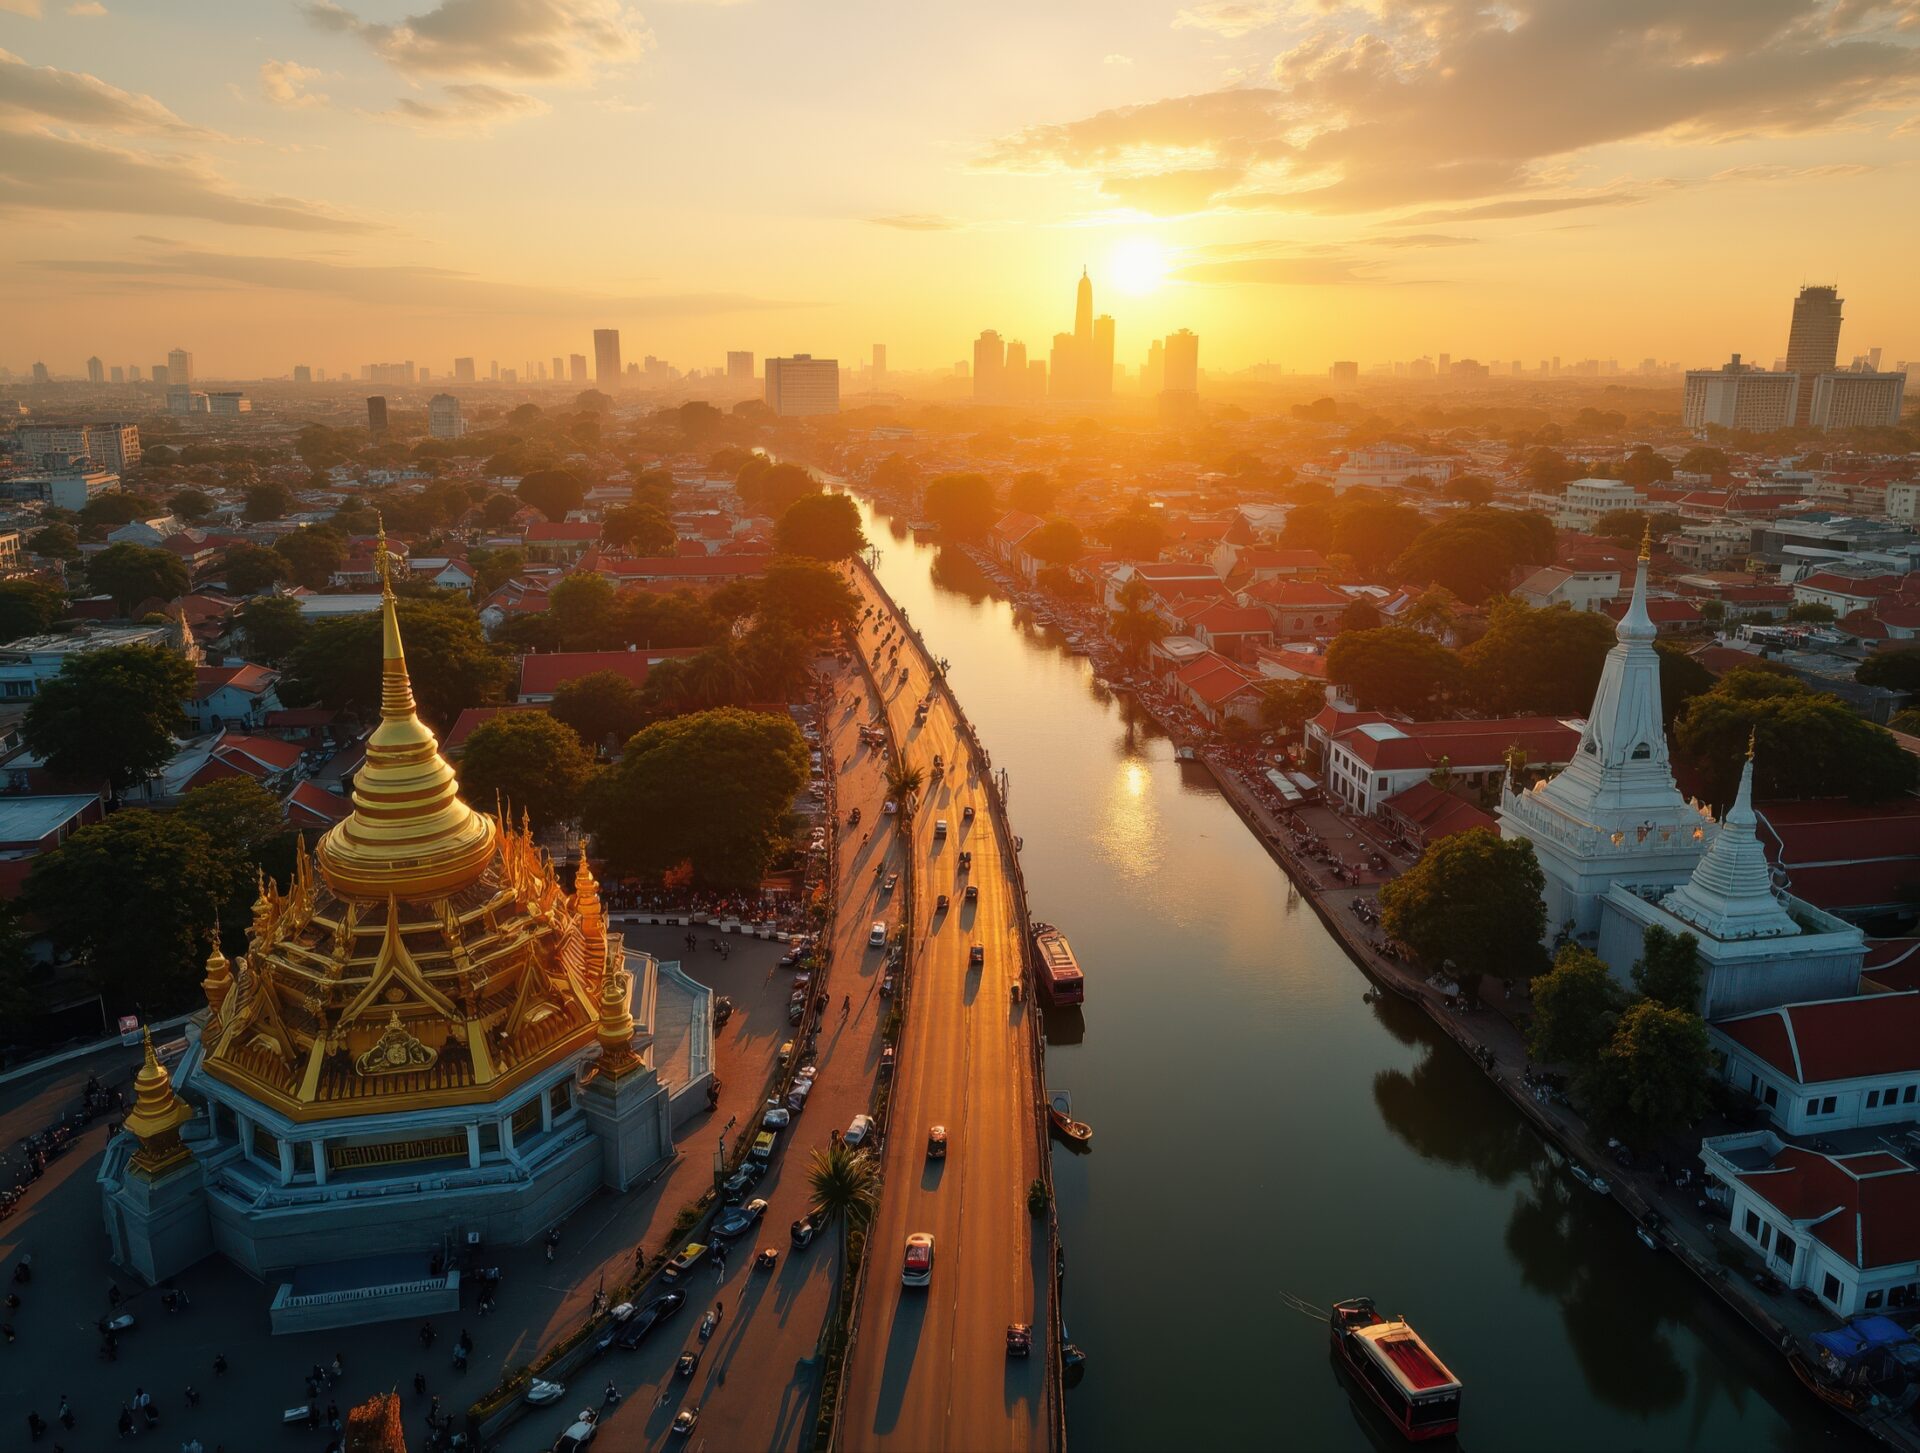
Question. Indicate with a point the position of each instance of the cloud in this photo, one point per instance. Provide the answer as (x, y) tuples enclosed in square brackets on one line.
[(1422, 239), (28, 8), (1394, 103), (46, 173), (407, 287), (1520, 207), (87, 9), (526, 40), (1229, 19), (1116, 59), (1169, 193), (284, 83), (468, 106), (50, 94), (917, 222), (1277, 271)]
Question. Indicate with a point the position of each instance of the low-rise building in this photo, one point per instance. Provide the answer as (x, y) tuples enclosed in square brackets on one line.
[(30, 662), (239, 695), (544, 674), (1582, 590), (1829, 1065), (1368, 757)]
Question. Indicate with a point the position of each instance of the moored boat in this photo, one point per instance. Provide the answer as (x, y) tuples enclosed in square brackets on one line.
[(1060, 1118), (1056, 970), (1412, 1386)]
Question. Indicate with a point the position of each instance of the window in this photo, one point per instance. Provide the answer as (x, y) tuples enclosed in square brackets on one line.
[(1753, 1085), (1873, 1300), (1822, 1106), (1830, 1289), (1873, 1099), (1753, 1227), (1907, 1099)]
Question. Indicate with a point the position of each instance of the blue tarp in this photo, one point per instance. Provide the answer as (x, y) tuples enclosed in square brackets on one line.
[(1861, 1336)]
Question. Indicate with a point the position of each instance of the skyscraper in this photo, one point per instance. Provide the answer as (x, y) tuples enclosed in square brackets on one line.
[(1083, 308), (377, 416), (1182, 363), (879, 364), (443, 417), (577, 367), (1083, 359), (989, 367), (119, 374), (302, 373), (463, 370), (739, 366), (1153, 376), (180, 366), (803, 384), (559, 369), (1813, 342), (606, 357), (1019, 385), (96, 371), (161, 375)]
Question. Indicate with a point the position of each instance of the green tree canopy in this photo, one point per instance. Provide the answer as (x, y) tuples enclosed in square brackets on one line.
[(712, 789), (55, 541), (499, 509), (1812, 613), (1541, 662), (494, 568), (272, 625), (116, 507), (1668, 969), (529, 761), (1652, 1077), (808, 595), (821, 527), (1703, 459), (1575, 1006), (133, 573), (640, 529), (1309, 527), (1473, 898), (190, 504), (245, 830), (771, 488), (337, 662), (1470, 489), (313, 554), (1361, 615), (962, 505), (1374, 532), (602, 707), (1285, 706), (1392, 669), (1681, 679), (585, 612), (1032, 493), (1476, 552), (29, 607), (250, 569), (1895, 667), (1057, 542), (680, 619), (110, 715), (1135, 535), (553, 492), (269, 501)]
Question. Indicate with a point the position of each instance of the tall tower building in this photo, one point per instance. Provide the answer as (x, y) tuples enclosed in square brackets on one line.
[(463, 370), (880, 364), (377, 416), (803, 384), (576, 368), (96, 371), (606, 357), (1018, 385), (739, 366), (1813, 343), (180, 366), (1083, 308), (989, 367), (1100, 357), (443, 417), (1182, 362)]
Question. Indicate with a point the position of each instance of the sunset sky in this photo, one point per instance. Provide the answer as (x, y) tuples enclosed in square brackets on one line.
[(268, 183)]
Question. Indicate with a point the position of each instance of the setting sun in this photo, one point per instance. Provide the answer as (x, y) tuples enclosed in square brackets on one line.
[(1139, 266)]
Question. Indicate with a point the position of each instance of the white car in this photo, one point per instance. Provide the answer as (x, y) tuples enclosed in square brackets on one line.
[(859, 1130), (918, 1269), (939, 827), (777, 1119), (878, 938)]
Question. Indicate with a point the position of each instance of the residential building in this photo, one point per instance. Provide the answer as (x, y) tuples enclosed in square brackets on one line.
[(740, 367), (802, 385), (1813, 342), (1181, 361), (302, 373), (227, 403), (576, 368), (1344, 375), (230, 696), (606, 357), (33, 824), (1390, 465), (377, 416), (66, 487), (1586, 500), (1300, 610), (114, 447), (1740, 396), (30, 662), (1368, 757), (96, 371), (543, 674), (443, 417), (180, 367), (1582, 590), (1857, 400), (463, 370), (1828, 1065), (989, 367), (158, 375), (1219, 690)]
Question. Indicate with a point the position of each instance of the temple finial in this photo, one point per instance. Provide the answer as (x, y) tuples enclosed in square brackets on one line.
[(1646, 540), (1753, 733)]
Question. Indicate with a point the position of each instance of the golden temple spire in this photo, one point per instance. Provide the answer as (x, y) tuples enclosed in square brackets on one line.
[(1646, 539), (593, 918), (1753, 733), (615, 1031), (156, 1117), (219, 980)]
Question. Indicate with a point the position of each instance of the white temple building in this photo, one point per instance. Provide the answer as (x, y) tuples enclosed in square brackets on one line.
[(1613, 813)]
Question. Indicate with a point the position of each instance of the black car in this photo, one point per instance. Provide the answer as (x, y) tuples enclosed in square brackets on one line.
[(635, 1329), (743, 1180), (736, 1219)]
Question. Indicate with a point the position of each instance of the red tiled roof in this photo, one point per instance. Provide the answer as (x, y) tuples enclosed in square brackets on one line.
[(548, 533), (1214, 679), (1892, 966), (542, 675), (1872, 587), (471, 717), (1172, 570), (1278, 560), (269, 754), (1834, 1039), (1865, 1207), (1467, 745), (1297, 595), (665, 566), (1437, 812), (1015, 525), (1312, 664), (1224, 618), (310, 803), (1842, 855), (1722, 659), (246, 677)]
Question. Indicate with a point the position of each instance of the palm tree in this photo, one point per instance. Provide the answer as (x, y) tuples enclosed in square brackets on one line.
[(717, 676), (903, 780), (1136, 632), (846, 1189)]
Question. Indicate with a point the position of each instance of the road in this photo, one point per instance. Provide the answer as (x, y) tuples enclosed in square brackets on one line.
[(929, 1367), (756, 1383)]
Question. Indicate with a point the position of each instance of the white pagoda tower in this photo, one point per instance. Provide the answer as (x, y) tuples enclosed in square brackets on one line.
[(1613, 813)]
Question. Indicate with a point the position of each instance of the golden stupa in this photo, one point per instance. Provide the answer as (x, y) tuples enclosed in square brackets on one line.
[(425, 956)]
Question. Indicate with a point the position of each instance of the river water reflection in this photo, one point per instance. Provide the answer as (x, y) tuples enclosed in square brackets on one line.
[(1261, 1133)]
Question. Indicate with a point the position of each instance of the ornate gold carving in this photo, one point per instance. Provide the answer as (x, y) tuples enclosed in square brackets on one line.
[(396, 1053), (397, 1152)]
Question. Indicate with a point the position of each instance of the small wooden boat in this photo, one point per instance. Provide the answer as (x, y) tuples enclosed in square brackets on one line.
[(1828, 1392), (1060, 1118)]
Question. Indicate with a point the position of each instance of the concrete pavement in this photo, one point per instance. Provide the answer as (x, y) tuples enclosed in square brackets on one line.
[(929, 1368)]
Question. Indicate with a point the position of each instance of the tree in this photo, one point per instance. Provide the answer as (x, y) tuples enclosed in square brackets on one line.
[(1361, 615), (29, 607), (712, 789), (1392, 669), (531, 762), (1811, 612), (553, 492), (1475, 553), (498, 510), (1058, 542), (1627, 528), (1895, 667), (133, 573), (1643, 467), (770, 488), (1136, 627), (1808, 744), (1374, 532), (1539, 662), (110, 715), (1473, 898), (680, 619), (244, 825), (1907, 722), (1309, 527), (56, 542), (1681, 679), (962, 505), (585, 612), (1575, 1005), (273, 625), (1135, 535), (190, 504), (313, 554), (845, 1186), (250, 569), (1468, 489), (494, 568), (114, 508), (642, 530), (1032, 493), (267, 502), (1286, 706), (602, 707), (133, 899), (1652, 1076), (821, 527), (1433, 611), (1703, 459), (1668, 969), (904, 781), (337, 662), (808, 595)]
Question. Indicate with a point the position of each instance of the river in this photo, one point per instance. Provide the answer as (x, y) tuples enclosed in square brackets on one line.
[(1263, 1137)]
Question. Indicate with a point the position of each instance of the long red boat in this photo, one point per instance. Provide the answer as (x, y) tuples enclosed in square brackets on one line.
[(1399, 1371), (1058, 971)]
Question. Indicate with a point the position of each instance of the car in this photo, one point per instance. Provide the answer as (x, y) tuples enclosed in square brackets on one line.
[(886, 1062), (797, 1096), (798, 996), (796, 1012), (691, 1255), (634, 1330), (939, 827), (966, 859), (743, 1180), (917, 1270), (579, 1432), (973, 893), (684, 1421), (722, 1011), (778, 1118), (689, 1360), (878, 937), (791, 957), (886, 987), (937, 1143), (858, 1130), (940, 905), (740, 1218), (767, 1258), (762, 1148), (893, 881), (801, 1232), (786, 1051), (967, 816), (1019, 1339), (891, 807), (976, 955)]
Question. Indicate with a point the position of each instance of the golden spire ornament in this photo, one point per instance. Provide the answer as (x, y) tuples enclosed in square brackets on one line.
[(615, 1031), (219, 980), (156, 1117)]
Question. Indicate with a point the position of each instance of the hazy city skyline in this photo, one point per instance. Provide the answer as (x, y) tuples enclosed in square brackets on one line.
[(1295, 182)]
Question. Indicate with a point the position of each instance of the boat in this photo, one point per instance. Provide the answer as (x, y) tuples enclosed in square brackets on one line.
[(1184, 754), (1397, 1369), (1055, 967), (1849, 1399), (1060, 1118)]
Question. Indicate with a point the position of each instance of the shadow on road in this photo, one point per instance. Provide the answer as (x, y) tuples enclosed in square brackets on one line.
[(903, 1347)]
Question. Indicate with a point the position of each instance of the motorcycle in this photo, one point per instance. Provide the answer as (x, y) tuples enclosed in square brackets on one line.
[(707, 1324)]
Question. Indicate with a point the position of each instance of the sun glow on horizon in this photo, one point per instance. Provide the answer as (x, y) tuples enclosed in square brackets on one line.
[(1139, 266)]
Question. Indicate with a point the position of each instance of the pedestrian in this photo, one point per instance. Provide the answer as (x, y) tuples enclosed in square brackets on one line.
[(611, 1398), (426, 1334), (419, 1384), (36, 1425), (333, 1416), (66, 1413), (339, 1363), (219, 1364), (126, 1421), (193, 1398)]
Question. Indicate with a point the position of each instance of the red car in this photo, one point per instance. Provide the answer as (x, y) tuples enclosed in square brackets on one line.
[(918, 1270)]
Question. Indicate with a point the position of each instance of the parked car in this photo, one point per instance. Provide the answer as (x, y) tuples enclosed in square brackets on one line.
[(966, 858), (1019, 1339), (801, 1232), (722, 1011), (858, 1130), (689, 1360), (893, 880), (886, 1062), (778, 1118), (937, 1143), (741, 1218), (918, 1268), (743, 1180), (797, 1096), (967, 816), (634, 1330), (690, 1256), (684, 1421), (579, 1432), (940, 904), (762, 1148)]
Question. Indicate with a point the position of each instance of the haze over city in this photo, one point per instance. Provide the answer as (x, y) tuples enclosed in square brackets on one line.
[(1297, 182)]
